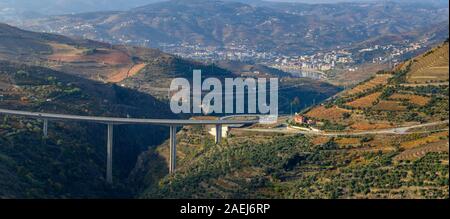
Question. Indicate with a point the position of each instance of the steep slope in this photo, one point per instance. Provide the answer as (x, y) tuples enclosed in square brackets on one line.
[(71, 162), (147, 70), (98, 61), (89, 59), (262, 165), (416, 91), (52, 73)]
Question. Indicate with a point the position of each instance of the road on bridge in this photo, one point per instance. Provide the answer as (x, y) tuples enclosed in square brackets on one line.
[(111, 121)]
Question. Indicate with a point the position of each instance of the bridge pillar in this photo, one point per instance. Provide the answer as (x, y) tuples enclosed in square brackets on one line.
[(45, 128), (109, 177), (218, 134), (173, 149)]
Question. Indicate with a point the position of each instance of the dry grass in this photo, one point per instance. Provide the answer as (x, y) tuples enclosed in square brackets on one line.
[(334, 113), (436, 137), (415, 99), (64, 49), (126, 72), (364, 126), (389, 105), (418, 152), (64, 53), (377, 80), (348, 141), (431, 67), (365, 102), (320, 140)]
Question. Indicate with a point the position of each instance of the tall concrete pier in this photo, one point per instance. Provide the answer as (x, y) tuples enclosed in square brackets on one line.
[(111, 121), (109, 152), (218, 133), (173, 149)]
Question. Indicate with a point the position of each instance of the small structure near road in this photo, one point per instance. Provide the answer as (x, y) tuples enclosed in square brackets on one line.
[(302, 120)]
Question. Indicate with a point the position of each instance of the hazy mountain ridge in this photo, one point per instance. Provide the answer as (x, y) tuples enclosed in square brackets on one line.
[(52, 7), (143, 69), (299, 27)]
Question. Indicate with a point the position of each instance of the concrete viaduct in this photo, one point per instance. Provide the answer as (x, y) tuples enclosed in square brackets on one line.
[(111, 121)]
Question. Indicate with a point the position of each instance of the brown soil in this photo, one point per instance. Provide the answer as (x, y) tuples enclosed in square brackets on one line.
[(126, 72), (365, 102)]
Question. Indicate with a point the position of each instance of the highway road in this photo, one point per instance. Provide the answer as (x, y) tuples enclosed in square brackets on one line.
[(124, 121), (173, 123), (398, 131)]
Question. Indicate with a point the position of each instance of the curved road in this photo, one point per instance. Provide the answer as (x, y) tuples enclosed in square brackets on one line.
[(398, 131)]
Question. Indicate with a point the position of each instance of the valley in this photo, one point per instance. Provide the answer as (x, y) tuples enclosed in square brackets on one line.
[(57, 74), (295, 37), (363, 99), (354, 148)]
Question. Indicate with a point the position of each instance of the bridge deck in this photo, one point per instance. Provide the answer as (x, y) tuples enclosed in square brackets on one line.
[(111, 121), (123, 121)]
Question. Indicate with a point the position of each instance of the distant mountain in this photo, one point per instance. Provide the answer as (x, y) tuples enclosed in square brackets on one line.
[(287, 28), (23, 9), (52, 7), (143, 69)]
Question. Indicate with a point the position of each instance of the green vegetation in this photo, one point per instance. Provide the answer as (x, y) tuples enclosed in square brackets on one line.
[(291, 167), (70, 163), (332, 126), (90, 51)]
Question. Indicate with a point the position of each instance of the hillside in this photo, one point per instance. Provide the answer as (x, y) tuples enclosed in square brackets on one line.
[(45, 7), (146, 70), (71, 162), (415, 92), (89, 59), (98, 61), (52, 73), (250, 164), (285, 28), (261, 165)]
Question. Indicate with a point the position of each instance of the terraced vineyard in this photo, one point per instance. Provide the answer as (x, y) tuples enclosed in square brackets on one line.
[(366, 101), (430, 67), (391, 99), (334, 113), (260, 166), (368, 85), (413, 99)]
